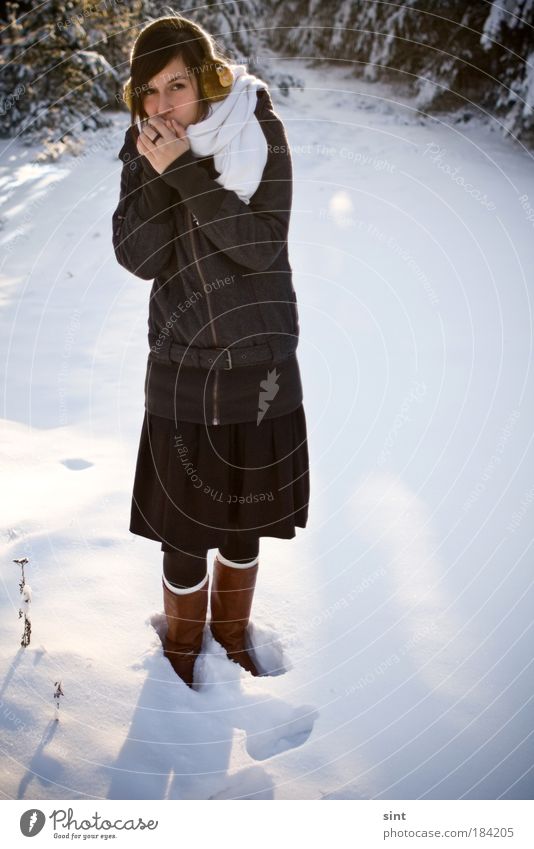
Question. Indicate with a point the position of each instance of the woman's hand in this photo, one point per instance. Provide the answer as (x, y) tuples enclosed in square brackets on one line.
[(169, 145)]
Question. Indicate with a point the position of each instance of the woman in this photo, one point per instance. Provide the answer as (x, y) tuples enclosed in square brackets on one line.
[(204, 210)]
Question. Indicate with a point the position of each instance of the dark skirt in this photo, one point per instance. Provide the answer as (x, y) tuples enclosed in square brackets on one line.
[(197, 485)]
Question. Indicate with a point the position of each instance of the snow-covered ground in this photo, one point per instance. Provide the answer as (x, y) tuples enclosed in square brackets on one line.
[(403, 612)]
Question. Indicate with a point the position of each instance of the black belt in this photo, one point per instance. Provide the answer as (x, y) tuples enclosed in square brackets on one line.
[(223, 358)]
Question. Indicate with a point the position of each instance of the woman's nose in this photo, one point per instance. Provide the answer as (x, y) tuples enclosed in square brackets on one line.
[(164, 107)]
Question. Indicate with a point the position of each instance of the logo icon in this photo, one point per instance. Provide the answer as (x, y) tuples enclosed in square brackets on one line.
[(269, 391), (31, 822)]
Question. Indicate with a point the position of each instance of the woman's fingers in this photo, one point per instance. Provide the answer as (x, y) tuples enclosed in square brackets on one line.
[(142, 147), (179, 129), (160, 125), (161, 153)]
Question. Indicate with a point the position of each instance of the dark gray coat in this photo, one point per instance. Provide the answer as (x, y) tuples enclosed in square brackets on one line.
[(220, 267)]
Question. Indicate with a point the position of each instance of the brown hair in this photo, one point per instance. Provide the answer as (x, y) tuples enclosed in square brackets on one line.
[(162, 40)]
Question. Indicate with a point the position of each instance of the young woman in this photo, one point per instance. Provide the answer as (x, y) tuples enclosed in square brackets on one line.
[(204, 209)]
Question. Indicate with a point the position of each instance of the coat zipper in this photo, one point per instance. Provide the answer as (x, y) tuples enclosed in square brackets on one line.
[(215, 419)]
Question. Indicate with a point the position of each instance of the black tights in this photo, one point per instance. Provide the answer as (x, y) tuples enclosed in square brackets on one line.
[(188, 568)]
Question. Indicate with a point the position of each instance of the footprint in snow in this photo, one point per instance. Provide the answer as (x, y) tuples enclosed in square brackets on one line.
[(266, 650), (278, 729), (76, 463), (271, 725), (253, 782)]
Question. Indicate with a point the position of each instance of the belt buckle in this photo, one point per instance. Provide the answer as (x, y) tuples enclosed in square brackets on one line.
[(227, 352)]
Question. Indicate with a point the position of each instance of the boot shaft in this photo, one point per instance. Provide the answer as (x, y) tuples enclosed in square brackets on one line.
[(186, 617), (232, 592)]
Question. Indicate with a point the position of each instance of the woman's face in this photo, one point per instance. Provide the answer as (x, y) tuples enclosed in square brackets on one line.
[(172, 93)]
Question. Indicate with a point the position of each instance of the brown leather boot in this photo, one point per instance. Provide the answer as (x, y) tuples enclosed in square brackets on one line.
[(186, 617), (232, 590)]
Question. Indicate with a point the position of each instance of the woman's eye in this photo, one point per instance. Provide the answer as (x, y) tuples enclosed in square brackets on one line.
[(176, 85)]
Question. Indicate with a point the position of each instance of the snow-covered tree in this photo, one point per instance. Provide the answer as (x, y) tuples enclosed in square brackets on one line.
[(468, 56), (63, 65), (57, 71)]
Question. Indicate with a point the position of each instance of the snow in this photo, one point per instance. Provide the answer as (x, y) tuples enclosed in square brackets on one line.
[(509, 13), (401, 616)]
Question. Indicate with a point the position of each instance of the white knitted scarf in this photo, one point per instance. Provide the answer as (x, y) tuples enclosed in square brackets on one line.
[(232, 134)]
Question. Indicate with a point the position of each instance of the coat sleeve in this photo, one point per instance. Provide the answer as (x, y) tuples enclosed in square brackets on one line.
[(143, 222), (251, 234)]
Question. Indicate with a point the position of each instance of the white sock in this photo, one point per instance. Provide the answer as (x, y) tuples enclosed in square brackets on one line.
[(237, 565), (183, 590)]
